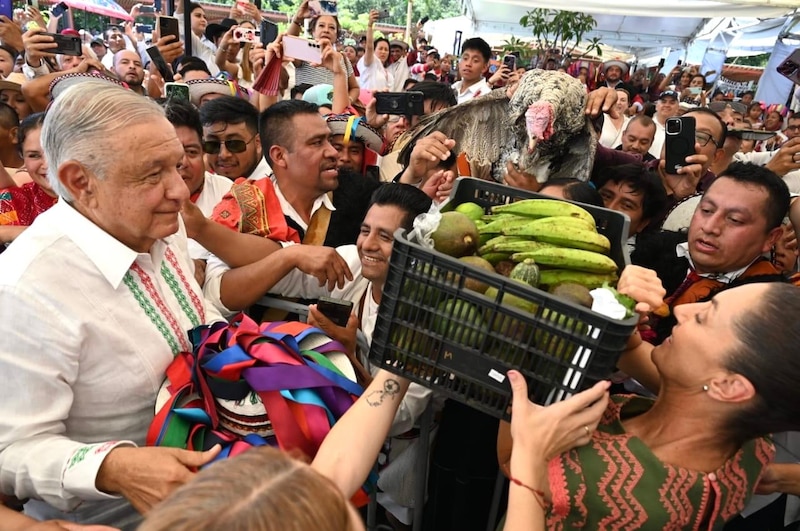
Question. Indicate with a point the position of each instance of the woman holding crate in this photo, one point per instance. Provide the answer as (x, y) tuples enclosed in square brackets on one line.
[(691, 458)]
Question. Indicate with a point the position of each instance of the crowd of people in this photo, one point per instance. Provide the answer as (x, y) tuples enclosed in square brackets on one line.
[(130, 216)]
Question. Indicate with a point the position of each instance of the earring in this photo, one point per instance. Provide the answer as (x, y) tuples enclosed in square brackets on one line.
[(705, 388)]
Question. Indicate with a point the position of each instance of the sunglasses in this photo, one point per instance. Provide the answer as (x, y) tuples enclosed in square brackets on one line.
[(213, 147)]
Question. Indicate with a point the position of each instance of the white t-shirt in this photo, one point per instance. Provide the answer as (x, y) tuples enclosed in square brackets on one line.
[(374, 76), (658, 139)]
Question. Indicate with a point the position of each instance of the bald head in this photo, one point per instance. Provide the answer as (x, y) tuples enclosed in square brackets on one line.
[(128, 67)]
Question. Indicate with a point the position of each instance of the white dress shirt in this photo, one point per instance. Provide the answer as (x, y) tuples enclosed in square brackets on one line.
[(261, 171), (214, 188), (80, 360), (481, 88)]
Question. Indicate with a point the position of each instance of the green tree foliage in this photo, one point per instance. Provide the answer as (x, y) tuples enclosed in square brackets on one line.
[(558, 33)]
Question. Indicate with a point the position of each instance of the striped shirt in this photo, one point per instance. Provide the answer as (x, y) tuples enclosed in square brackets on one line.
[(317, 75)]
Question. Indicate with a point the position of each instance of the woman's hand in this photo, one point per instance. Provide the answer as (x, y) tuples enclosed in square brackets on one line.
[(546, 432), (331, 59), (37, 46), (35, 15), (643, 286)]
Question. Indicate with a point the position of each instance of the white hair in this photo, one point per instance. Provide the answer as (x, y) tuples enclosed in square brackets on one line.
[(87, 123)]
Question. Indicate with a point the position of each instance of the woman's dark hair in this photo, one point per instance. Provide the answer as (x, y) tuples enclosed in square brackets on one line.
[(767, 357), (31, 123), (379, 39), (407, 198), (576, 190), (313, 24)]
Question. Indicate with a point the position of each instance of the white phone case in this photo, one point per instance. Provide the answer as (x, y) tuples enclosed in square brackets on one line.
[(302, 49)]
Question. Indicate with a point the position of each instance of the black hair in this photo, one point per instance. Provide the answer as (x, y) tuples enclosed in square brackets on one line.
[(643, 120), (300, 89), (379, 39), (649, 109), (430, 76), (313, 24), (407, 198), (30, 123), (577, 190), (640, 180), (435, 55), (8, 116), (184, 114), (777, 204), (720, 140), (479, 45), (409, 83), (230, 110), (275, 123), (794, 116), (11, 51), (767, 357), (750, 92), (191, 63), (437, 92), (195, 5)]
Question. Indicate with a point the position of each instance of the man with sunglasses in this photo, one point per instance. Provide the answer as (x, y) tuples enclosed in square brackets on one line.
[(230, 139)]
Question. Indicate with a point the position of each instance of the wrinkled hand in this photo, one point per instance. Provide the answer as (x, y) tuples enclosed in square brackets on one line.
[(784, 160), (602, 100), (502, 74), (331, 59), (520, 179), (170, 48), (684, 183), (643, 286), (439, 185), (428, 152), (346, 335), (545, 432), (11, 33), (303, 12), (321, 262), (145, 476), (37, 45)]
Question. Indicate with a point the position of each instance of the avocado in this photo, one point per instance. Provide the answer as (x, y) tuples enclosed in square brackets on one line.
[(480, 263), (456, 235)]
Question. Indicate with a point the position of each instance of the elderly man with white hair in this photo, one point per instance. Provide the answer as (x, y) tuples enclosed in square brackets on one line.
[(96, 298)]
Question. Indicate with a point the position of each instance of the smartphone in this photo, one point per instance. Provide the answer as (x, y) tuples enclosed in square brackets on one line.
[(403, 103), (242, 5), (269, 32), (383, 13), (323, 7), (337, 310), (790, 68), (423, 20), (176, 91), (510, 61), (6, 9), (161, 65), (32, 3), (147, 10), (245, 35), (680, 62), (59, 10), (299, 48), (144, 28), (168, 26), (695, 91), (66, 44), (679, 142)]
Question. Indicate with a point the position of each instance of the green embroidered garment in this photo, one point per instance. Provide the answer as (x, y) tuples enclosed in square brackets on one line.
[(616, 483)]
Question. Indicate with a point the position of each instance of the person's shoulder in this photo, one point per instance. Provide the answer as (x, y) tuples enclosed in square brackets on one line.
[(37, 249)]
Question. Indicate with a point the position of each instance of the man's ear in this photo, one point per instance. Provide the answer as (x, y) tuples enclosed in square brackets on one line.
[(259, 149), (77, 181), (719, 154), (772, 238), (277, 155), (12, 134)]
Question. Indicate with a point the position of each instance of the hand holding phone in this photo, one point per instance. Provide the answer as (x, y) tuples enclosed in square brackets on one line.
[(510, 61), (302, 49), (160, 64), (59, 10), (66, 44), (323, 7), (337, 310), (245, 35), (679, 142), (168, 26)]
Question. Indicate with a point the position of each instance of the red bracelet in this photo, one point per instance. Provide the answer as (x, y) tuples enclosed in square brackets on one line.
[(538, 494)]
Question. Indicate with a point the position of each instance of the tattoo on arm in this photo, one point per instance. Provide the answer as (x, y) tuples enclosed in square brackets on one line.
[(390, 388)]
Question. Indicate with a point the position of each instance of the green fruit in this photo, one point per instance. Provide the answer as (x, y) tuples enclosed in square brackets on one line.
[(512, 300), (456, 235), (461, 323), (480, 263), (527, 272), (544, 208), (495, 258), (554, 277), (472, 210), (561, 346), (575, 293)]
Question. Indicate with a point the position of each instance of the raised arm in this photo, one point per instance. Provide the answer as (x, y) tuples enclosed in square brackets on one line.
[(296, 25), (369, 48)]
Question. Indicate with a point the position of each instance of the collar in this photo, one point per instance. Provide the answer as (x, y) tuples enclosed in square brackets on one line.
[(111, 257), (682, 250), (289, 210), (479, 88), (261, 170)]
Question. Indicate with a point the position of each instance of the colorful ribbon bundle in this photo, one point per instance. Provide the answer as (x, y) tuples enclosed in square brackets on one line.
[(282, 365)]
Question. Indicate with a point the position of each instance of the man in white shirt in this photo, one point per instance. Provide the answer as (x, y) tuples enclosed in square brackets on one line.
[(667, 107), (96, 298), (474, 62)]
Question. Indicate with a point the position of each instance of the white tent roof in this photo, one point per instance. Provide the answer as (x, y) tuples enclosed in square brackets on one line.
[(625, 25)]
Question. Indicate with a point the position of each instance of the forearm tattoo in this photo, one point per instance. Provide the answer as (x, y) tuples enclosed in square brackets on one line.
[(390, 388)]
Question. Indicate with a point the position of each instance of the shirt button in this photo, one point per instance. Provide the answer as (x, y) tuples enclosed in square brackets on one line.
[(712, 477)]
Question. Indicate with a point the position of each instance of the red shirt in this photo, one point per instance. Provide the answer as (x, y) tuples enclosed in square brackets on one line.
[(21, 204)]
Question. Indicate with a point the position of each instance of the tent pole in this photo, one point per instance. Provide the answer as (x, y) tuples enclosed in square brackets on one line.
[(187, 29)]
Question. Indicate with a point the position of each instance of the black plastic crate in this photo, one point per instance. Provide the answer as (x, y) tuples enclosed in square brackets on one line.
[(434, 331)]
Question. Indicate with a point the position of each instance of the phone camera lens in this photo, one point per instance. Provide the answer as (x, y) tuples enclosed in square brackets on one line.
[(673, 127)]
